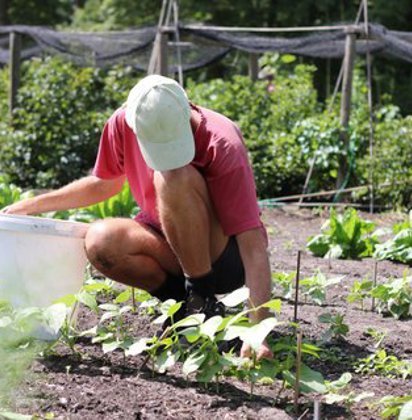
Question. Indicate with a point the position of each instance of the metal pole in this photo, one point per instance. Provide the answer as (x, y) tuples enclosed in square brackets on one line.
[(15, 51), (349, 61)]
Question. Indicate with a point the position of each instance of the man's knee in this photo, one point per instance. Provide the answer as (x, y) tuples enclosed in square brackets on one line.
[(102, 243)]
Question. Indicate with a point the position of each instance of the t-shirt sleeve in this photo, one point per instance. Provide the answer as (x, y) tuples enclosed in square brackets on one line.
[(234, 197), (110, 160)]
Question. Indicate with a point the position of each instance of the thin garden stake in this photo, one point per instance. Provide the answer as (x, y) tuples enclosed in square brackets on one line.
[(375, 276), (298, 363), (295, 316), (133, 300), (316, 410)]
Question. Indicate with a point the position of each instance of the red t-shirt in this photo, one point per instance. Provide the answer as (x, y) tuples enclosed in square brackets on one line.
[(221, 158)]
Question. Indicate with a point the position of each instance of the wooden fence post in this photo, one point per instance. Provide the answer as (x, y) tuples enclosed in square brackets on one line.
[(253, 66), (349, 61), (163, 65)]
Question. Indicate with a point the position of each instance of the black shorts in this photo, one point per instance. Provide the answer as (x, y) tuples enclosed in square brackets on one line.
[(228, 269)]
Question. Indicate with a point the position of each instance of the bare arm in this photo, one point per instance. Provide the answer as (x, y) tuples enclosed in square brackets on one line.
[(80, 193), (252, 247)]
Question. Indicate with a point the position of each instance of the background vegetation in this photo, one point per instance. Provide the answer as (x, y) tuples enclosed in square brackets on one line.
[(61, 108)]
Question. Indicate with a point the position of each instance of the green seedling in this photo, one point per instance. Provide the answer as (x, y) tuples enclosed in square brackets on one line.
[(360, 291), (338, 330), (286, 282), (377, 336), (315, 287), (111, 331), (396, 407), (380, 363), (344, 236), (394, 297)]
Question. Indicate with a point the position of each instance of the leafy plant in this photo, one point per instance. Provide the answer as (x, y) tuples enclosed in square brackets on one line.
[(315, 286), (286, 282), (359, 291), (337, 392), (344, 236), (120, 205), (396, 407), (337, 327), (381, 363), (394, 297), (10, 193), (399, 248)]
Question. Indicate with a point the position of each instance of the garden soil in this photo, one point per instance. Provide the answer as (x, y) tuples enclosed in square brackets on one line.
[(99, 386)]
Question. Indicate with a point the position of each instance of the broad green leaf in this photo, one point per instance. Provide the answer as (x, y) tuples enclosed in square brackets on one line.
[(236, 297), (107, 315), (55, 316), (125, 309), (109, 307), (14, 416), (166, 360), (111, 346), (192, 334), (174, 308), (87, 299), (160, 319), (234, 331), (193, 362), (342, 382), (124, 296), (5, 321), (255, 335), (68, 300), (206, 375), (310, 380), (406, 412), (195, 319), (275, 305), (288, 58), (210, 327)]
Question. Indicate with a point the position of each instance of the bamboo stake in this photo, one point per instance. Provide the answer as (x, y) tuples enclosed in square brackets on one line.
[(375, 277), (298, 366), (295, 314), (316, 410)]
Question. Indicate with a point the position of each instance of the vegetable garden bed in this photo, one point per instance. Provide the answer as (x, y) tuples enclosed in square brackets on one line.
[(110, 386)]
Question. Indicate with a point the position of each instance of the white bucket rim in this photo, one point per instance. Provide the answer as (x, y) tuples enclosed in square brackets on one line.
[(42, 225)]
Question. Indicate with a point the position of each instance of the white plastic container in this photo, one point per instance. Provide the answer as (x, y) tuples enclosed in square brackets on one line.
[(41, 259)]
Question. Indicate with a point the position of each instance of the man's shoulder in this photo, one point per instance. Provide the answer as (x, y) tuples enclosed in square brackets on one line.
[(118, 116)]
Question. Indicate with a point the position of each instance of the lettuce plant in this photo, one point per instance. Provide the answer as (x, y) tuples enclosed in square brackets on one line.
[(394, 297), (344, 236)]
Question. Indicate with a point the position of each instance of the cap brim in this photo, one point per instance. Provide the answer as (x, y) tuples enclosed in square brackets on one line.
[(171, 155)]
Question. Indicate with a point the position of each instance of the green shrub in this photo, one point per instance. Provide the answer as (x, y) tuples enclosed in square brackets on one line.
[(392, 158), (61, 110), (265, 118)]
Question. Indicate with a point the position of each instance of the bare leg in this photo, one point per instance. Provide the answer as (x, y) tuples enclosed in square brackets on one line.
[(188, 219), (130, 253)]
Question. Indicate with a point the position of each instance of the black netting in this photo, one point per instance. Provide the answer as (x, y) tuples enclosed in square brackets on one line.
[(199, 46)]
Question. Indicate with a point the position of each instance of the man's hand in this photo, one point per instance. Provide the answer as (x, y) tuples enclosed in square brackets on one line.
[(264, 351), (17, 208)]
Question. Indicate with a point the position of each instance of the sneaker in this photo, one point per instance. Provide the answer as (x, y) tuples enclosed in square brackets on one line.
[(196, 304)]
